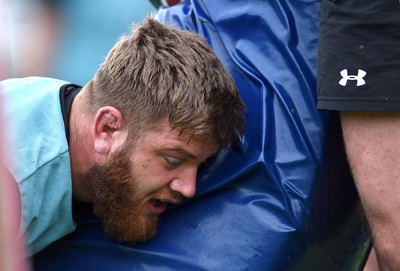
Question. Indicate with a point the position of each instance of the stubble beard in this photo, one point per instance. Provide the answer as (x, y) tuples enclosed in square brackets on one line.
[(117, 203)]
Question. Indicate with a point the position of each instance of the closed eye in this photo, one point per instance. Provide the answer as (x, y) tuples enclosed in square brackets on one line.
[(172, 162)]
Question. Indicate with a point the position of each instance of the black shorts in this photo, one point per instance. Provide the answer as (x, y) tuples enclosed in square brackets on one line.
[(359, 55)]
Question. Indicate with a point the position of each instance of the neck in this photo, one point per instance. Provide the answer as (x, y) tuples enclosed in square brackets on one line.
[(79, 150)]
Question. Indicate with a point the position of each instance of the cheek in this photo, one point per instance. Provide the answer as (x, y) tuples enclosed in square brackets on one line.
[(151, 175)]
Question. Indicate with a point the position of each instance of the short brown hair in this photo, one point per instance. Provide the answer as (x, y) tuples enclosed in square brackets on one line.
[(160, 71)]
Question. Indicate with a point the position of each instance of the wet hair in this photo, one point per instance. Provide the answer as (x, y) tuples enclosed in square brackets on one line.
[(159, 71)]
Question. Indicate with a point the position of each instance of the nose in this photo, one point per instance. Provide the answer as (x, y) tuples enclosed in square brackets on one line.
[(185, 182)]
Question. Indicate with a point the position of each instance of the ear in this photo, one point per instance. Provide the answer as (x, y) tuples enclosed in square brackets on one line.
[(110, 130)]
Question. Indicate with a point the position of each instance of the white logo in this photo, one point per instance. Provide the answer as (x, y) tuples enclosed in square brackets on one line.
[(359, 77)]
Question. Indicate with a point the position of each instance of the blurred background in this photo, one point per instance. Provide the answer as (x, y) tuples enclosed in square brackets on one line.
[(65, 39)]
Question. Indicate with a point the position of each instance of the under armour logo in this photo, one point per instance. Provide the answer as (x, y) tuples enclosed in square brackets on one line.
[(359, 77)]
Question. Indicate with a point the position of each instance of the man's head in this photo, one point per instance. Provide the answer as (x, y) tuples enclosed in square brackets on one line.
[(160, 71), (162, 103)]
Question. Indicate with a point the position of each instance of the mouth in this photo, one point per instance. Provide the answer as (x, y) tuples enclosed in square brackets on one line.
[(158, 206)]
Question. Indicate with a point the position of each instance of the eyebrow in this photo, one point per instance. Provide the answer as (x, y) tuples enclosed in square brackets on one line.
[(188, 155), (182, 152)]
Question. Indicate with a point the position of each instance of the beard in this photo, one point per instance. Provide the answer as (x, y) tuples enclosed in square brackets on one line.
[(117, 203)]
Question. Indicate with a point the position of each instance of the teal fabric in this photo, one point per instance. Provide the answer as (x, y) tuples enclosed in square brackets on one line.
[(39, 159)]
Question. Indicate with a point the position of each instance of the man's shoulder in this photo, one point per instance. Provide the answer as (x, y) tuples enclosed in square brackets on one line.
[(32, 113), (33, 82)]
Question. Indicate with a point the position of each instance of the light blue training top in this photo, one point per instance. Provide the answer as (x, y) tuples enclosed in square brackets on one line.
[(38, 158)]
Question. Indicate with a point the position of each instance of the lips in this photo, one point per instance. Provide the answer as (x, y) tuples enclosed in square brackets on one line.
[(157, 206)]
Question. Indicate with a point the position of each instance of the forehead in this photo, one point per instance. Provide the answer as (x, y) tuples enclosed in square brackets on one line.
[(164, 137)]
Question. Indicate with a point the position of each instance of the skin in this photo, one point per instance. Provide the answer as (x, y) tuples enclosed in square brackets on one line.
[(11, 248), (373, 151), (131, 185)]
